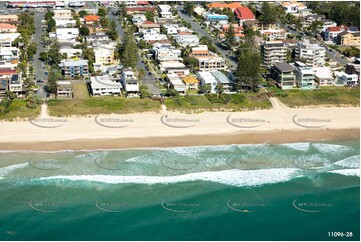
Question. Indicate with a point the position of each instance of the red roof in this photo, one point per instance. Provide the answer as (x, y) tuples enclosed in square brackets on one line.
[(142, 3), (7, 71), (7, 26), (337, 28), (148, 22), (244, 13), (91, 18)]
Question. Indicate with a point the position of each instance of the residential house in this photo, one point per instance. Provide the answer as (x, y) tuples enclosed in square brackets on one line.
[(283, 74), (165, 11), (3, 87), (65, 23), (222, 79), (94, 29), (148, 25), (8, 18), (91, 19), (273, 34), (331, 33), (9, 53), (5, 77), (187, 40), (292, 7), (64, 89), (138, 19), (67, 34), (349, 39), (305, 77), (104, 54), (177, 83), (313, 55), (244, 14), (206, 78), (130, 82), (207, 60), (221, 5), (96, 38), (191, 82), (16, 84), (199, 10), (151, 35), (273, 52), (323, 76), (7, 39), (62, 14), (174, 67), (238, 30), (347, 79), (326, 23), (104, 86), (70, 52), (354, 68), (71, 68), (213, 17), (139, 10), (165, 50), (7, 28), (308, 19)]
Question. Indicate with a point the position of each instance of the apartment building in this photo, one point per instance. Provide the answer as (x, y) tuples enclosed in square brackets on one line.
[(187, 40), (283, 74), (104, 86), (348, 39), (67, 34), (71, 68), (313, 55), (273, 34), (273, 52), (161, 50), (305, 77), (16, 84), (208, 61), (7, 39), (104, 54)]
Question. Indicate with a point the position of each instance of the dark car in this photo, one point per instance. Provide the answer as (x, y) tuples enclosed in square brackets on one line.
[(39, 81)]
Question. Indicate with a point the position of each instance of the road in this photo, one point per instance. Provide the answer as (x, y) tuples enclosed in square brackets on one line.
[(149, 79), (196, 27), (37, 64)]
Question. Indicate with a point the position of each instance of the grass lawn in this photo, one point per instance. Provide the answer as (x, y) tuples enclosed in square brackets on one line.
[(104, 105), (80, 91), (211, 102), (18, 109), (324, 96)]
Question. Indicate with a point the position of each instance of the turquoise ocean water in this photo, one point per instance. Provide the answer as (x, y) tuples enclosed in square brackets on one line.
[(296, 191)]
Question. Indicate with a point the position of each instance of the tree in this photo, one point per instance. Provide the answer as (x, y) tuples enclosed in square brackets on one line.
[(149, 15), (43, 56), (84, 31), (205, 88), (189, 7), (269, 14), (315, 27), (51, 25), (230, 35), (48, 15), (82, 13), (102, 11), (128, 50), (32, 49), (249, 66), (219, 88), (54, 56), (144, 93), (53, 77), (104, 21), (141, 74), (112, 30)]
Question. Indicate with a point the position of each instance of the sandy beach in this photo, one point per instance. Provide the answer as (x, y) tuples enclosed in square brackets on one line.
[(172, 129)]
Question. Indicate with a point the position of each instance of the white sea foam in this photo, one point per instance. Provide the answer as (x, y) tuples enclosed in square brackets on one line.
[(330, 148), (228, 177), (350, 162), (347, 172), (297, 146), (7, 169)]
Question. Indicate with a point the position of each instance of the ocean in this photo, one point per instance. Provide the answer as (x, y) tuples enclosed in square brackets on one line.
[(283, 192)]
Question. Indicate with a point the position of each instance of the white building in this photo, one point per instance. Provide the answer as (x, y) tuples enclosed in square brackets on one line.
[(313, 55), (187, 40), (130, 82), (174, 67), (161, 50), (323, 76), (177, 83), (165, 11), (7, 39), (153, 35), (305, 77), (346, 79), (206, 78), (102, 85), (104, 54), (70, 52), (67, 34), (9, 53), (65, 22), (62, 14)]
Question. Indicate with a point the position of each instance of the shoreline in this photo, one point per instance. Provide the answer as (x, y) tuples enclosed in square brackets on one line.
[(242, 137)]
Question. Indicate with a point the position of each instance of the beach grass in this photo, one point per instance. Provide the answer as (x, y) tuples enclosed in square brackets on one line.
[(336, 96), (18, 109), (102, 105), (80, 91), (214, 102)]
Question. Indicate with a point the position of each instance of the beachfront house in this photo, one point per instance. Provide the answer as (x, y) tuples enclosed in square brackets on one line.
[(64, 89), (283, 74), (104, 86), (346, 79), (305, 77), (177, 83), (130, 82)]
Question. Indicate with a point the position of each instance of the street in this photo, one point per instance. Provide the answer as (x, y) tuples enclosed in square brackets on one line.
[(198, 29)]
